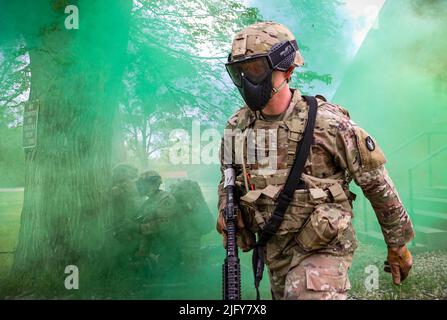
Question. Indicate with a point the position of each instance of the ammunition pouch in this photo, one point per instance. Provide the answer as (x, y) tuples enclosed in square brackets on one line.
[(323, 227)]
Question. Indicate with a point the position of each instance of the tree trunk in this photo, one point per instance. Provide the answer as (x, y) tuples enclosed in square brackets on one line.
[(76, 78)]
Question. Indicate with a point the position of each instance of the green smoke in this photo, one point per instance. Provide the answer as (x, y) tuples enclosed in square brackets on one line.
[(395, 89), (113, 91)]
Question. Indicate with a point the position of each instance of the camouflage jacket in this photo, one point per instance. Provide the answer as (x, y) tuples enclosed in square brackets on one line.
[(158, 212), (341, 152)]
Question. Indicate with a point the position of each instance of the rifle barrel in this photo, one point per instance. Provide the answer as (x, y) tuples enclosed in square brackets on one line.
[(231, 268)]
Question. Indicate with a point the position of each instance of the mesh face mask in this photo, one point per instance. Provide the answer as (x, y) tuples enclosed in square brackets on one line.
[(253, 75)]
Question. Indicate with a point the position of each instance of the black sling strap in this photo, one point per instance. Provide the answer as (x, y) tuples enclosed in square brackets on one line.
[(286, 195)]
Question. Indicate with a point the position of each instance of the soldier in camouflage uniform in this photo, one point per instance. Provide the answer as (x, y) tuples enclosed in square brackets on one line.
[(195, 219), (124, 192), (126, 202), (159, 223), (311, 253)]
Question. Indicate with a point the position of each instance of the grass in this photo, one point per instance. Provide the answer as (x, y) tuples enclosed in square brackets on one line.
[(10, 208), (428, 279)]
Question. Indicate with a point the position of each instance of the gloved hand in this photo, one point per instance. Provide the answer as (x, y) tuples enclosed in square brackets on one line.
[(245, 238), (399, 263)]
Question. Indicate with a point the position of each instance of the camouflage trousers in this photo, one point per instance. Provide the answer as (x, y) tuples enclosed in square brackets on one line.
[(319, 276)]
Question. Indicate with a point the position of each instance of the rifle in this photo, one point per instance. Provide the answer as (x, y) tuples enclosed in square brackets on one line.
[(231, 270)]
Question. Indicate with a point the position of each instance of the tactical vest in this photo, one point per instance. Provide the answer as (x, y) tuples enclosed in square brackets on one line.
[(268, 156)]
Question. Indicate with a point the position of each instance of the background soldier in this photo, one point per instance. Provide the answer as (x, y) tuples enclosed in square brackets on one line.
[(310, 254), (126, 202), (195, 220), (159, 223)]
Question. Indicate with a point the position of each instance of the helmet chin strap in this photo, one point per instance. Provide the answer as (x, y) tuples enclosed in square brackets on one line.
[(279, 88)]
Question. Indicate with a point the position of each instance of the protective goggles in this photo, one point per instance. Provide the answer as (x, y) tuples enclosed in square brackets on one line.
[(255, 68)]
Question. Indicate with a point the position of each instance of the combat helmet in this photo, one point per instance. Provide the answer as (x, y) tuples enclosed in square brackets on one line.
[(123, 172), (147, 179), (260, 38), (150, 176)]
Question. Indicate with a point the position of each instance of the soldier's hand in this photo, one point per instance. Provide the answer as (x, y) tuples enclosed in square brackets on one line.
[(245, 238), (221, 225), (399, 263)]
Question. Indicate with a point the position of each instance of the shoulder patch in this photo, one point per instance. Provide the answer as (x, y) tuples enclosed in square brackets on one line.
[(371, 156), (370, 143)]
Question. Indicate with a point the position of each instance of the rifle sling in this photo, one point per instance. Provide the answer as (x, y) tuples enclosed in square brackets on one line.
[(293, 183)]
